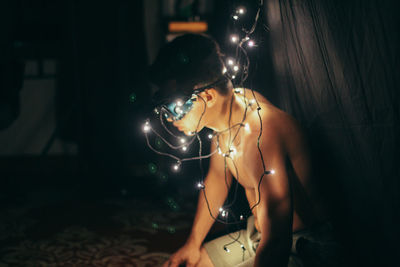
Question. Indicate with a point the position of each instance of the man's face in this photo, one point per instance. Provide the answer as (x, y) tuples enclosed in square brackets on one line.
[(192, 121)]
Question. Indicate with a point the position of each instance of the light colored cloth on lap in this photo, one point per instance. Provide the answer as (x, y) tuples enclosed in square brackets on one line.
[(239, 248)]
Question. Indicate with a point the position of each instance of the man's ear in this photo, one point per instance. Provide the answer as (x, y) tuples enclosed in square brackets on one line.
[(210, 96)]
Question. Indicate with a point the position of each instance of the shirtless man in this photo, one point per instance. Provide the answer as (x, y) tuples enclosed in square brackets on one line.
[(285, 197)]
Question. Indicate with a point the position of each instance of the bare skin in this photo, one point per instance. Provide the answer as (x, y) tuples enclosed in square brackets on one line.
[(284, 150)]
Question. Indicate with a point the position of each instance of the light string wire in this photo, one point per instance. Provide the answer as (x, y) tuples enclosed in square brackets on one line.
[(239, 54)]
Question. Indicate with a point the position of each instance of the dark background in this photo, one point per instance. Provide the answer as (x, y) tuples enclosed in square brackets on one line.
[(73, 99)]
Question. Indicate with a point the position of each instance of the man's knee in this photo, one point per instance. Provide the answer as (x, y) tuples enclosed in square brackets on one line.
[(205, 260)]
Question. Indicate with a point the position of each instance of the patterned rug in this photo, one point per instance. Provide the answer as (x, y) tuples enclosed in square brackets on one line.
[(112, 232)]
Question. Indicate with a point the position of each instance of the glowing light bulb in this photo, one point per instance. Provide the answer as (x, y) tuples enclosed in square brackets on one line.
[(176, 166), (223, 214), (233, 76), (247, 127), (236, 68), (241, 217), (184, 148), (219, 151), (230, 62), (241, 10), (191, 133), (232, 151), (210, 136), (200, 185), (224, 70), (250, 43), (183, 140), (179, 103), (235, 17), (252, 101), (221, 209), (146, 127), (272, 171), (234, 38), (179, 110), (226, 249)]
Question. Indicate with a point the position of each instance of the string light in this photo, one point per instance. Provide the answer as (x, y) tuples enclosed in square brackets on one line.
[(176, 166), (227, 249), (200, 185), (146, 127), (241, 10), (241, 62), (234, 38)]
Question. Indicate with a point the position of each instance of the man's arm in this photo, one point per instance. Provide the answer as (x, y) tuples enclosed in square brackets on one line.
[(275, 208), (216, 192)]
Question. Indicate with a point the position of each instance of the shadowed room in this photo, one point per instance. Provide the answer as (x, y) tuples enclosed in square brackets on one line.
[(97, 169)]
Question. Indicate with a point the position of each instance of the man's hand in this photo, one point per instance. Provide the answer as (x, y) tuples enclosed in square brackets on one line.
[(189, 254)]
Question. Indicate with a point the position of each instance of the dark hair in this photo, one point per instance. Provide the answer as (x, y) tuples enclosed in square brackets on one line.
[(189, 60)]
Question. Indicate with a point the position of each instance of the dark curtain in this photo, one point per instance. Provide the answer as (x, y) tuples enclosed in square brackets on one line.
[(337, 72)]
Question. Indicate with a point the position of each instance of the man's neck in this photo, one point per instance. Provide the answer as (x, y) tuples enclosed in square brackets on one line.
[(230, 112)]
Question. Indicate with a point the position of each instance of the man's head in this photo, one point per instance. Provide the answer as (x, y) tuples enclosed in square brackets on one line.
[(188, 73)]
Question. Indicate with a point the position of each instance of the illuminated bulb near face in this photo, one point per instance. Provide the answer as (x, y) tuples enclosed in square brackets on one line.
[(179, 110), (247, 38), (252, 101), (223, 213), (234, 38), (221, 209), (250, 43), (247, 127), (272, 171), (236, 68), (200, 186), (235, 17), (226, 249), (219, 151), (230, 61), (241, 217), (184, 148), (224, 70), (179, 103), (191, 133), (233, 76), (210, 136), (183, 140)]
